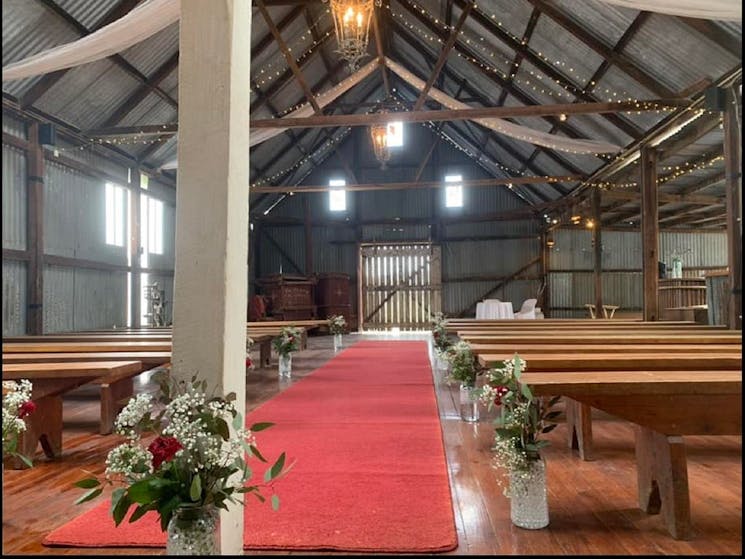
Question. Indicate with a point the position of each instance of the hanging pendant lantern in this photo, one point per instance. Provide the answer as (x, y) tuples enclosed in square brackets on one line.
[(352, 26), (379, 137)]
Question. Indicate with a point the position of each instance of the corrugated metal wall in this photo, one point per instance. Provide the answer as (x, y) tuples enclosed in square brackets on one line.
[(74, 297), (14, 298), (14, 198), (571, 280)]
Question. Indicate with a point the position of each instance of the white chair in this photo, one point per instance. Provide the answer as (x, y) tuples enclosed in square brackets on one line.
[(527, 310)]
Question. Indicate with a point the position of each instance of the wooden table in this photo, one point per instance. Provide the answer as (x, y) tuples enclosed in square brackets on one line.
[(665, 406), (49, 382)]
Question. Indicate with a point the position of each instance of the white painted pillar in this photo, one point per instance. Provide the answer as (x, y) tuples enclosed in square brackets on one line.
[(211, 274)]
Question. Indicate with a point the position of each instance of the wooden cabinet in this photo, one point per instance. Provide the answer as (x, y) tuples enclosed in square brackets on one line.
[(289, 297), (333, 296)]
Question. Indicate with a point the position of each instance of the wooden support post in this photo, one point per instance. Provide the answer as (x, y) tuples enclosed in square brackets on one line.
[(579, 421), (209, 331), (135, 247), (35, 232), (733, 177), (597, 251), (308, 226), (650, 232), (544, 300)]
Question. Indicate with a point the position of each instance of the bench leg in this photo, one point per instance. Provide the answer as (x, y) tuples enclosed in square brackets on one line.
[(43, 426), (265, 354), (114, 396), (579, 421), (662, 476)]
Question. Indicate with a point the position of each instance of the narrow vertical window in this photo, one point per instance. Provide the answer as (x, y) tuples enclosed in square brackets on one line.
[(337, 195), (155, 226), (115, 215), (454, 191)]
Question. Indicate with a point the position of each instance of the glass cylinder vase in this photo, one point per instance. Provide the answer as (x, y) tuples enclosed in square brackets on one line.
[(285, 366), (469, 402), (337, 343), (194, 531), (528, 496)]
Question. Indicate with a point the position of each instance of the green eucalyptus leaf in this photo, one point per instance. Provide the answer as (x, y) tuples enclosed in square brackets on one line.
[(275, 502), (87, 483), (89, 495), (119, 511), (277, 467), (255, 452), (256, 427), (195, 491)]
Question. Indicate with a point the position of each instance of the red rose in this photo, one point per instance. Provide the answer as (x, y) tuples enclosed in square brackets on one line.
[(163, 449), (248, 362), (27, 408)]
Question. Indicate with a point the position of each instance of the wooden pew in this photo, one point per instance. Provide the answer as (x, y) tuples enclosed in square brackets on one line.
[(50, 381), (665, 406), (559, 361), (633, 337), (531, 348)]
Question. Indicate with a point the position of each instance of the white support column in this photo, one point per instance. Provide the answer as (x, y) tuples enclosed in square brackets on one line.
[(211, 274)]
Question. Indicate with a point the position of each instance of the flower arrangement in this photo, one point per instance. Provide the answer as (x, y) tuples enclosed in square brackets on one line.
[(249, 346), (337, 324), (17, 405), (464, 366), (439, 333), (193, 461), (287, 341), (523, 418)]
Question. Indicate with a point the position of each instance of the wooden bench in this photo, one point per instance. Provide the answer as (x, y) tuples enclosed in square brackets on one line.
[(50, 381), (665, 406), (608, 310), (633, 337), (532, 348)]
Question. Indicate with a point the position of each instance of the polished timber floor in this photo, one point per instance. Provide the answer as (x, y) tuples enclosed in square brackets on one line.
[(593, 505)]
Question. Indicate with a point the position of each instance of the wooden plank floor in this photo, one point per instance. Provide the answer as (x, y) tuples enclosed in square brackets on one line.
[(592, 505)]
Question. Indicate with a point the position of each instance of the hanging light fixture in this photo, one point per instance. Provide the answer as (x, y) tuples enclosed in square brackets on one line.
[(352, 25), (379, 137)]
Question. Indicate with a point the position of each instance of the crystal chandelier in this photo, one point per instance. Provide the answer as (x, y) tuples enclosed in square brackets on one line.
[(352, 25), (379, 137)]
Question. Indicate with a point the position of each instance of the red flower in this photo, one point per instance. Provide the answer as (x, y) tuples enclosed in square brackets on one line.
[(27, 408), (501, 391), (249, 363), (163, 449)]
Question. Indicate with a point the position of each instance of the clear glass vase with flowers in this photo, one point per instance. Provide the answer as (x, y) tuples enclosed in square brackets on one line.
[(185, 452), (464, 368), (522, 420), (440, 339), (287, 342), (337, 325), (17, 406)]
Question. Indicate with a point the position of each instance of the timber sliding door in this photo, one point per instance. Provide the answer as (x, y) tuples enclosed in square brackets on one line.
[(399, 285)]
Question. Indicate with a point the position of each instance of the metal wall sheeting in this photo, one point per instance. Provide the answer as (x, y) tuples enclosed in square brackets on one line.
[(14, 126), (14, 198), (622, 250), (75, 217), (292, 241), (334, 250), (14, 298), (574, 290), (80, 299)]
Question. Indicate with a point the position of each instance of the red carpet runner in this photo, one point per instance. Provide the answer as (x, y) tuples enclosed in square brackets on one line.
[(370, 472)]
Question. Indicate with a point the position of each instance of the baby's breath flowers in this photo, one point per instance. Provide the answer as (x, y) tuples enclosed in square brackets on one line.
[(523, 418), (464, 366), (439, 333), (287, 341), (194, 460), (337, 324), (17, 405)]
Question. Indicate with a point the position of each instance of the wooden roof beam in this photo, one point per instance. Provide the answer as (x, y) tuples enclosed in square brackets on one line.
[(534, 15), (623, 124)]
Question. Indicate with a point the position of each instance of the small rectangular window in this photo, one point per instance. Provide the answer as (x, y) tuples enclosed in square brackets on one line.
[(115, 212), (395, 136), (337, 195), (155, 226), (454, 191)]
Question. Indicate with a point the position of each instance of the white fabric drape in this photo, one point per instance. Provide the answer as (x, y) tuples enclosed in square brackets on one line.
[(139, 24), (516, 131), (723, 10)]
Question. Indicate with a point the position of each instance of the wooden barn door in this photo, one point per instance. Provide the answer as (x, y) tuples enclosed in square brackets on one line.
[(399, 285)]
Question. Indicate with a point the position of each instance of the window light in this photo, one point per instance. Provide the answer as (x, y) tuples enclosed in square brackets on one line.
[(114, 215), (337, 196), (454, 192)]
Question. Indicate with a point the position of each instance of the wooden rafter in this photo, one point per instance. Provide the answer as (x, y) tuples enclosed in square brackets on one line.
[(519, 55), (612, 55), (443, 56), (623, 124)]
